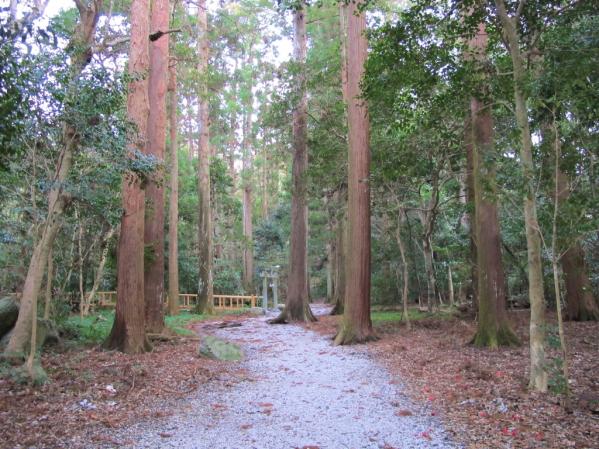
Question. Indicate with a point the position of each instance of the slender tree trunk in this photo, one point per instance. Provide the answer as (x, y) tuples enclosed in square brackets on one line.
[(173, 222), (559, 184), (154, 212), (450, 284), (82, 305), (356, 324), (100, 271), (538, 371), (297, 306), (58, 197), (341, 264), (205, 287), (493, 327), (431, 281), (471, 213), (49, 279), (128, 332), (248, 245), (404, 263)]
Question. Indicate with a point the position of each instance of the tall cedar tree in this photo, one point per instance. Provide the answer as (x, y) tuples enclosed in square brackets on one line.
[(297, 307), (205, 286), (128, 332), (173, 221), (248, 245), (356, 325), (58, 197), (493, 327), (154, 214), (341, 195)]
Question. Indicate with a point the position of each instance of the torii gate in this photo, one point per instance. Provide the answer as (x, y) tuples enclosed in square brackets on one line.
[(271, 273)]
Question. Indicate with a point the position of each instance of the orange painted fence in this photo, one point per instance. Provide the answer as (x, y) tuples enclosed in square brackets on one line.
[(188, 300)]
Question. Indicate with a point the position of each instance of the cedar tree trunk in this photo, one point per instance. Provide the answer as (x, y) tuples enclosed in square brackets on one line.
[(128, 332), (205, 287), (173, 222), (356, 325), (154, 213), (297, 307)]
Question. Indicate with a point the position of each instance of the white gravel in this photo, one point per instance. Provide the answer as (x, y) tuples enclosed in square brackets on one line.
[(301, 392)]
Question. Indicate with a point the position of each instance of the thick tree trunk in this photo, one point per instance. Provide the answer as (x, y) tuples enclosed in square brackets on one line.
[(356, 324), (581, 304), (538, 371), (128, 332), (173, 222), (580, 301), (493, 327), (154, 213), (297, 306), (205, 287), (58, 197)]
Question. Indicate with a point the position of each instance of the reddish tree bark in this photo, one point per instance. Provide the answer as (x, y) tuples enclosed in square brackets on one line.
[(581, 304), (173, 222), (128, 332), (154, 213), (297, 307), (493, 327), (356, 324), (205, 287)]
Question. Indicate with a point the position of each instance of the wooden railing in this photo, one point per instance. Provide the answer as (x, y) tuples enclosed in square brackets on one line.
[(188, 300)]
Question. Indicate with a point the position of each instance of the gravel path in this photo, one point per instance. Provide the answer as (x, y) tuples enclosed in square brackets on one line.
[(301, 392)]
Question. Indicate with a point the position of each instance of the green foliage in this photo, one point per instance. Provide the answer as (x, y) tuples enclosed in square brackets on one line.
[(383, 317)]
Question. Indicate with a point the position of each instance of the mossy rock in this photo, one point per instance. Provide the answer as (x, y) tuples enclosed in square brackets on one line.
[(9, 312), (217, 349)]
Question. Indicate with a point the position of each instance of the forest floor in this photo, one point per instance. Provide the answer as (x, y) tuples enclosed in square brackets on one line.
[(423, 388), (481, 395)]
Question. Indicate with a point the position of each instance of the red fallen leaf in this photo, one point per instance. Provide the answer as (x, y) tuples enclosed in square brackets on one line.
[(264, 404), (165, 434), (539, 436), (403, 413), (483, 414), (431, 397), (245, 426), (499, 373), (219, 406), (426, 435)]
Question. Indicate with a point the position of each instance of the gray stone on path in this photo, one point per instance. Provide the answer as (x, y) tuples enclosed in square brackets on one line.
[(218, 349)]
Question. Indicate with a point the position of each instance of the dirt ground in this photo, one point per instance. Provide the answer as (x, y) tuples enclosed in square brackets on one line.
[(90, 390), (481, 395)]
